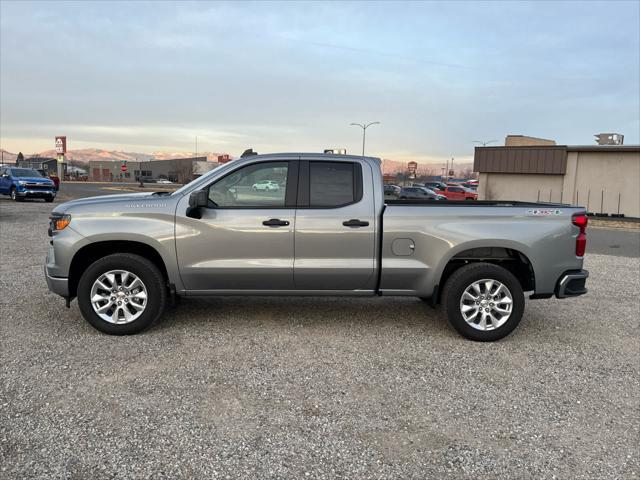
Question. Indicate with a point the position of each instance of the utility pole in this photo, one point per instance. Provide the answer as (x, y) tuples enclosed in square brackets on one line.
[(364, 127), (454, 173), (196, 147)]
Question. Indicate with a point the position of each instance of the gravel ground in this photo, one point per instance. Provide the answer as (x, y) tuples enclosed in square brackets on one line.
[(314, 387)]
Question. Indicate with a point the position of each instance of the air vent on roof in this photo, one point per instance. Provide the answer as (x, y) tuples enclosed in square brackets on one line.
[(248, 152), (609, 139), (336, 151)]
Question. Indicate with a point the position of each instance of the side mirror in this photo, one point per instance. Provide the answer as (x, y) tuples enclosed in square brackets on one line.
[(198, 199), (5, 175)]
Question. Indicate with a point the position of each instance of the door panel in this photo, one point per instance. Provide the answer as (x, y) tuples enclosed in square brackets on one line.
[(328, 254), (244, 240), (232, 249)]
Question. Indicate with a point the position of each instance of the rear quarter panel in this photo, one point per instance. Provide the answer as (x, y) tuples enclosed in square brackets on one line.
[(441, 232)]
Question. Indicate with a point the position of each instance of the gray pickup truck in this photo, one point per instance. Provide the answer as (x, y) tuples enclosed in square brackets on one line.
[(322, 227)]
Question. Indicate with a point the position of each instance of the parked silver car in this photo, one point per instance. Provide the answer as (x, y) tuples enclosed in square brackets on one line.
[(419, 193), (328, 231)]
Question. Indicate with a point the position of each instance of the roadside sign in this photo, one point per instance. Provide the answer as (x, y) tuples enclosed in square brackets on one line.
[(412, 167), (123, 168), (61, 145)]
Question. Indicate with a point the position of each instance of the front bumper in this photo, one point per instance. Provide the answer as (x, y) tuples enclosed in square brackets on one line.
[(35, 193), (57, 285), (572, 284)]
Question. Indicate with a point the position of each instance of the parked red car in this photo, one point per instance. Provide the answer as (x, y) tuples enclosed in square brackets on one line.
[(53, 176), (459, 192), (56, 180)]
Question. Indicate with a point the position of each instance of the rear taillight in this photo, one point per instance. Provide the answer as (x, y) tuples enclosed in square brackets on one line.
[(580, 220)]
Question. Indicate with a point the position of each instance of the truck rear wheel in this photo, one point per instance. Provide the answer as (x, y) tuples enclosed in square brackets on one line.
[(483, 301), (122, 294)]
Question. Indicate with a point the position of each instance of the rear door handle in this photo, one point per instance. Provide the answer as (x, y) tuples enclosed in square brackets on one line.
[(275, 222), (355, 223)]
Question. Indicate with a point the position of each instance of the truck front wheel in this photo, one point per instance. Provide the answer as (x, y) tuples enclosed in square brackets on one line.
[(122, 294), (13, 193), (483, 301)]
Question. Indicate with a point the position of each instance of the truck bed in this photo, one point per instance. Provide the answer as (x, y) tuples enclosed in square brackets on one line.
[(419, 238)]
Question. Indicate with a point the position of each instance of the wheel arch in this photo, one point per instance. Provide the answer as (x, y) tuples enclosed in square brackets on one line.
[(88, 254), (511, 256)]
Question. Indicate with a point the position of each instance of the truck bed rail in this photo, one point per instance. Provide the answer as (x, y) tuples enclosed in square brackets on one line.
[(478, 203)]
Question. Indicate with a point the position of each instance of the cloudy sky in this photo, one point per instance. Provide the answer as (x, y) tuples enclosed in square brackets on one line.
[(292, 76)]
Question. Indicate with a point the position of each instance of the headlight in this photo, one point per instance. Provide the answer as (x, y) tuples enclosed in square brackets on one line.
[(21, 182), (58, 222)]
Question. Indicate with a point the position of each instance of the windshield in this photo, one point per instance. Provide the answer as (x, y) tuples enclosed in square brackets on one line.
[(25, 172)]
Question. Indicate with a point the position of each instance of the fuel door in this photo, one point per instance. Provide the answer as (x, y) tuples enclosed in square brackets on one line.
[(403, 247)]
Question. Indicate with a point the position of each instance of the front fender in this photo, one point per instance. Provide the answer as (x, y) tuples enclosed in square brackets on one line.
[(155, 230)]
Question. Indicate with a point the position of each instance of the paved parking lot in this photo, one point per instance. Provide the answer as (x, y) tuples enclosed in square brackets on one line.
[(237, 387)]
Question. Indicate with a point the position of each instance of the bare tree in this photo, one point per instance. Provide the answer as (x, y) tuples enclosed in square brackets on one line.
[(184, 170)]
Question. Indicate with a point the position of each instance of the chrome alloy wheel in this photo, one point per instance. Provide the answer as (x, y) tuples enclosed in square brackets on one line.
[(118, 297), (486, 304)]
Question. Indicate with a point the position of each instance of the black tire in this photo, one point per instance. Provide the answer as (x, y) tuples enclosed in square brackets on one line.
[(146, 271), (463, 278), (14, 196)]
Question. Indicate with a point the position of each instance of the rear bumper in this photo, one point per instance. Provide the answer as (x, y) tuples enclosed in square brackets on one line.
[(58, 285), (572, 284)]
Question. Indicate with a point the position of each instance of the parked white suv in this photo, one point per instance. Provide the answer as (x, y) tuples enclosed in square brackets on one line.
[(266, 185)]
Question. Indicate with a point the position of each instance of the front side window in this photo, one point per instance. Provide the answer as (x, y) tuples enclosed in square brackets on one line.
[(257, 185), (331, 184)]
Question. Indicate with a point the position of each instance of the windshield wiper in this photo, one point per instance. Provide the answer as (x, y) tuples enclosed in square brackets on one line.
[(160, 193)]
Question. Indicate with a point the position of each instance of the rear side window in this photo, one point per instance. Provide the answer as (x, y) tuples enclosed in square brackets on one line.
[(333, 184)]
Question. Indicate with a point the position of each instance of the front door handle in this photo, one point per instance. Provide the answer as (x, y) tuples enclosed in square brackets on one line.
[(275, 222), (355, 223)]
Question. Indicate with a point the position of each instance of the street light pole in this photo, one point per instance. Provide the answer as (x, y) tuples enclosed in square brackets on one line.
[(364, 127)]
